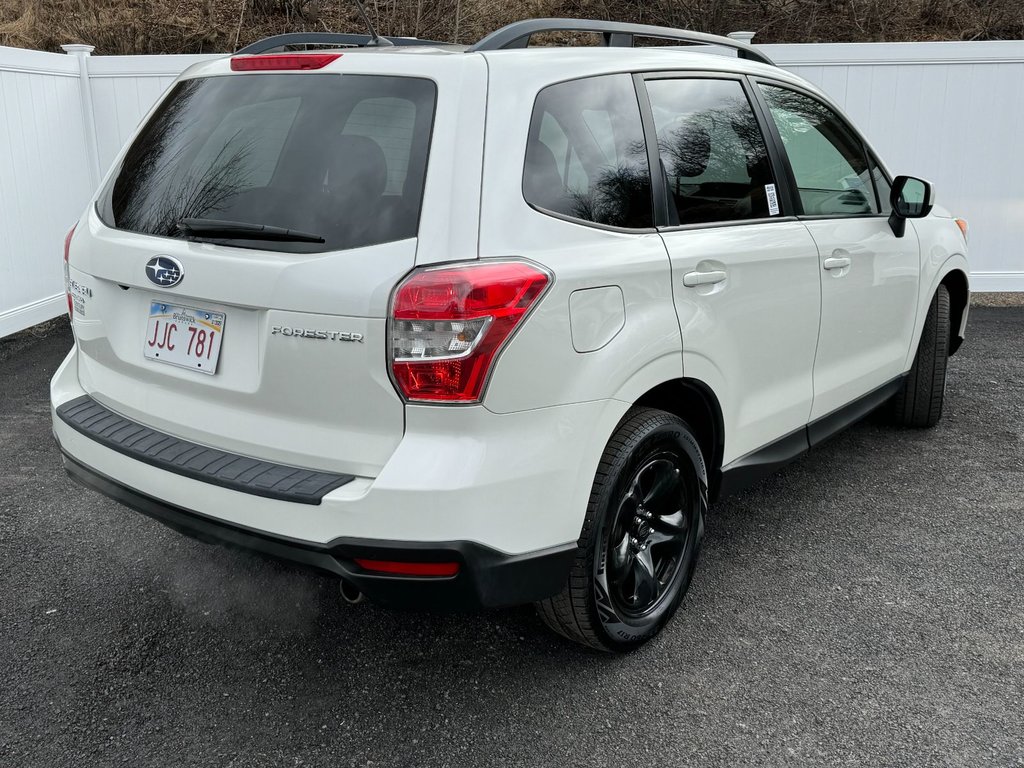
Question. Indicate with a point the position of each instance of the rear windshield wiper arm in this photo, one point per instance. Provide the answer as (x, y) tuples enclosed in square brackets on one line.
[(241, 230)]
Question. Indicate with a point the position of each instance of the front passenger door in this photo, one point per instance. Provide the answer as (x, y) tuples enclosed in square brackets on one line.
[(869, 277)]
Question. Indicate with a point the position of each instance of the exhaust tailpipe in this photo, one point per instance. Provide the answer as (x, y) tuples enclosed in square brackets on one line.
[(350, 593)]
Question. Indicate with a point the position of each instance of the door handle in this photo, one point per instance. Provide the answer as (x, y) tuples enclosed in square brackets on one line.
[(836, 262), (693, 279)]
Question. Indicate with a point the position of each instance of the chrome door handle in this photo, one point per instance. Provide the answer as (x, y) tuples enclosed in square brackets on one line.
[(836, 262), (693, 279)]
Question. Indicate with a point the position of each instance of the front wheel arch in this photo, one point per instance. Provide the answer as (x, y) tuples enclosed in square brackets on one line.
[(959, 296)]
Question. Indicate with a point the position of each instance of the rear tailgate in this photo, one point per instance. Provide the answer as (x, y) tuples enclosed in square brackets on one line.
[(301, 357)]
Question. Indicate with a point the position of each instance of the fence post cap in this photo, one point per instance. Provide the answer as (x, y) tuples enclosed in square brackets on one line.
[(84, 50), (743, 37)]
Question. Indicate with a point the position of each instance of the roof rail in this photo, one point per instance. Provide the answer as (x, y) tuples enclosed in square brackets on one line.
[(326, 38), (517, 35)]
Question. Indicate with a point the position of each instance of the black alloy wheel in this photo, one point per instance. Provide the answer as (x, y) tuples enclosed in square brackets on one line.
[(641, 537)]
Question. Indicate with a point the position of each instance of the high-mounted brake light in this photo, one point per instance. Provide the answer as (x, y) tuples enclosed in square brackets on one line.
[(67, 272), (277, 61), (409, 569), (449, 324)]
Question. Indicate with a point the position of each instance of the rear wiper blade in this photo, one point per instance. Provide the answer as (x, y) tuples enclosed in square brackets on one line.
[(241, 230)]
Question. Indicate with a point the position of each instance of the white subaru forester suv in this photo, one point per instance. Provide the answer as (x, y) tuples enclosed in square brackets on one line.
[(493, 325)]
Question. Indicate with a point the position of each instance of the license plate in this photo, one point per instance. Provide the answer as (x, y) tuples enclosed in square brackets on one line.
[(184, 336)]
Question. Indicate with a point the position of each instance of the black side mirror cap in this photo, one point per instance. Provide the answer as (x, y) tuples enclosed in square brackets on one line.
[(911, 198)]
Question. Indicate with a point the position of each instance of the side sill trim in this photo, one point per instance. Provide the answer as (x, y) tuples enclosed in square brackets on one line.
[(820, 430), (755, 466), (194, 461)]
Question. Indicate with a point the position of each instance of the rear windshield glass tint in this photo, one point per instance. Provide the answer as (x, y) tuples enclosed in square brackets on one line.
[(338, 156)]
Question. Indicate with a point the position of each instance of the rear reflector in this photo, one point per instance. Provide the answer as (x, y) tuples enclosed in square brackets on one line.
[(409, 569), (279, 61)]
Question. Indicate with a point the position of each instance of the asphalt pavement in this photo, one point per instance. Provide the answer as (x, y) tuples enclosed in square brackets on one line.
[(863, 607)]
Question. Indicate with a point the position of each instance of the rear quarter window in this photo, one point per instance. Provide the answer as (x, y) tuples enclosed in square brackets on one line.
[(586, 158)]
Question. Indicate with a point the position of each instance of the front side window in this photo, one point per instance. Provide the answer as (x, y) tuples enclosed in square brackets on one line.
[(586, 157), (827, 157), (339, 157), (712, 151)]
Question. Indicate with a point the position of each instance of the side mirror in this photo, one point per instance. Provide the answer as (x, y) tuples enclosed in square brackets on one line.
[(911, 198)]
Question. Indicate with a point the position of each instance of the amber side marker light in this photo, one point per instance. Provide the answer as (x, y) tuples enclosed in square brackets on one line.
[(282, 61), (962, 223), (408, 569)]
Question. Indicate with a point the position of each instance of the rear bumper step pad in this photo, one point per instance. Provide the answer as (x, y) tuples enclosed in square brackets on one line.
[(208, 465)]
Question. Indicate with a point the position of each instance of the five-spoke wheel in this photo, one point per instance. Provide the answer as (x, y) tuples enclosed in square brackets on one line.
[(641, 537)]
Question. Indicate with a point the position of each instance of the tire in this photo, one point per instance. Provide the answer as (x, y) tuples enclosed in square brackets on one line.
[(641, 537), (919, 402)]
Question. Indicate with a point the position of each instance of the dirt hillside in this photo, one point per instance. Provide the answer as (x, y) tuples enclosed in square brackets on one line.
[(200, 26)]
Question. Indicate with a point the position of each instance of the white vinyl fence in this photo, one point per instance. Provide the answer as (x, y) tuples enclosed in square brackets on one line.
[(949, 112)]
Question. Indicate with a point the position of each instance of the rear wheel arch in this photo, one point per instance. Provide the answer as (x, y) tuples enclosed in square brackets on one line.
[(959, 295), (695, 403)]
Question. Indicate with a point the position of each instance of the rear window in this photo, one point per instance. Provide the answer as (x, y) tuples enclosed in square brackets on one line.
[(342, 157)]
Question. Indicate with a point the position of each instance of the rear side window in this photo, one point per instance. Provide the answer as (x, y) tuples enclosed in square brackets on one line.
[(714, 157), (828, 160), (586, 157), (343, 157)]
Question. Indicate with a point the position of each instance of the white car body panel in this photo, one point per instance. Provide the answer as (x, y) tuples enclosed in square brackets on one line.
[(943, 250), (868, 309), (757, 330)]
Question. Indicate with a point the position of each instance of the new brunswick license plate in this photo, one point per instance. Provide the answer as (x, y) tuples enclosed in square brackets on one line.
[(184, 336)]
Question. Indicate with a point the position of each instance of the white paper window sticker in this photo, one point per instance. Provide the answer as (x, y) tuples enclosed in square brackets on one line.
[(773, 200)]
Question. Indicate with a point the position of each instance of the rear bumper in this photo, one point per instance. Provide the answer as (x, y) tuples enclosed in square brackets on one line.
[(515, 483), (486, 578)]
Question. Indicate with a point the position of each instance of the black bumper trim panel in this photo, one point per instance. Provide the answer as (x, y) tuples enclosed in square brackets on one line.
[(208, 465), (487, 578)]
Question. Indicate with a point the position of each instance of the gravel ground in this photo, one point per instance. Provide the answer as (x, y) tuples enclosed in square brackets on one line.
[(864, 607)]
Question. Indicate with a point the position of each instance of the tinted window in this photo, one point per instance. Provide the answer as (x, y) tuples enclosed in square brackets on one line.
[(343, 157), (828, 160), (586, 156), (714, 156)]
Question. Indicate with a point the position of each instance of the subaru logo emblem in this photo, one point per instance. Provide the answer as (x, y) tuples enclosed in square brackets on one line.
[(165, 271)]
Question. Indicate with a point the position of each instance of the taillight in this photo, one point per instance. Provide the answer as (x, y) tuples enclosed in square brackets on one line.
[(67, 273), (962, 224), (449, 323), (278, 61)]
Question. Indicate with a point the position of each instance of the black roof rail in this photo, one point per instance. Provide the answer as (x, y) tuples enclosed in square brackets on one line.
[(326, 38), (517, 35)]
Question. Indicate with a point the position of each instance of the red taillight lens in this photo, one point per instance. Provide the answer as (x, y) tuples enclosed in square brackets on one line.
[(409, 569), (448, 325), (276, 61), (67, 274)]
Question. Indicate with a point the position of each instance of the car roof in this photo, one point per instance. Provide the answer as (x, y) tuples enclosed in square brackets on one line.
[(532, 69)]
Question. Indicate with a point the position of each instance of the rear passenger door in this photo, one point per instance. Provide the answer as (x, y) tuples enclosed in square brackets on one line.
[(869, 277), (744, 270)]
